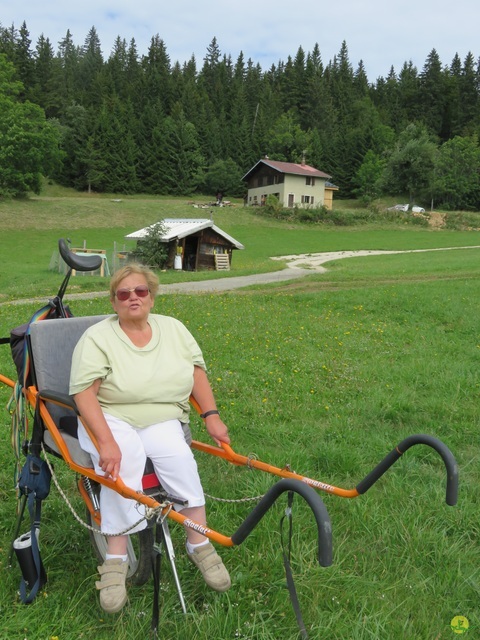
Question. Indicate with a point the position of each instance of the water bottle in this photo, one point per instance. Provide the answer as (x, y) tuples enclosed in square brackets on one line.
[(23, 550)]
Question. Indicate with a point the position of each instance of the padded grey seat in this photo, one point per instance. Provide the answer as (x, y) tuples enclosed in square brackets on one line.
[(52, 344)]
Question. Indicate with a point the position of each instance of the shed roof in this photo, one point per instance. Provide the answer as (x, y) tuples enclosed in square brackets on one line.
[(177, 228), (330, 185), (288, 167)]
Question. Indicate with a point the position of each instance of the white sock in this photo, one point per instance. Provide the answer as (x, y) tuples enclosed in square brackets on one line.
[(114, 556), (191, 547)]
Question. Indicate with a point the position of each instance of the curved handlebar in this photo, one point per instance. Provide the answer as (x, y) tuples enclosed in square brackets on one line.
[(447, 456), (315, 503), (79, 263)]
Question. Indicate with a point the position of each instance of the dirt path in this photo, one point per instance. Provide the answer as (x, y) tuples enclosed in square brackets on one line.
[(298, 266), (314, 261)]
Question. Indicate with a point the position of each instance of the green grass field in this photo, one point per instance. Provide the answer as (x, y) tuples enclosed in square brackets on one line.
[(327, 374)]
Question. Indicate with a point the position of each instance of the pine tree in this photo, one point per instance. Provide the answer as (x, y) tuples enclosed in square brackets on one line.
[(116, 66), (133, 74), (68, 57), (149, 141), (23, 60), (360, 81), (453, 98), (112, 152), (393, 102), (410, 108), (90, 70), (157, 75), (47, 73), (209, 76), (469, 85), (432, 95), (340, 82), (239, 140), (8, 39), (183, 161)]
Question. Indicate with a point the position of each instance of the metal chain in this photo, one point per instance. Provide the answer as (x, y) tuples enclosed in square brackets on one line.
[(251, 456), (149, 513), (253, 499)]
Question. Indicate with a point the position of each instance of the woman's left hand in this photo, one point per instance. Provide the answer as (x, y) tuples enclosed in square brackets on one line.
[(217, 429)]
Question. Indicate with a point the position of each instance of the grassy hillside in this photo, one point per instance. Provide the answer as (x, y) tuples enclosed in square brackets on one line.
[(31, 228), (326, 374)]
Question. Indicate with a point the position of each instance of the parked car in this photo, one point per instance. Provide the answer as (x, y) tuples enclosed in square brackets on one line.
[(399, 207)]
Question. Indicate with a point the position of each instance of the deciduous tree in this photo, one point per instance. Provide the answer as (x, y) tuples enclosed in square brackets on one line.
[(29, 145), (410, 165), (457, 174)]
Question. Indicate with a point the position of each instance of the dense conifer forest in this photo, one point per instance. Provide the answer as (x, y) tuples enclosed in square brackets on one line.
[(131, 123)]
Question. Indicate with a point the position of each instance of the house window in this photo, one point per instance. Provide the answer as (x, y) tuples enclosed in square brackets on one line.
[(310, 181), (307, 199)]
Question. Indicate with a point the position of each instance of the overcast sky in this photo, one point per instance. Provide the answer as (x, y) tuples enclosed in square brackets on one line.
[(382, 33)]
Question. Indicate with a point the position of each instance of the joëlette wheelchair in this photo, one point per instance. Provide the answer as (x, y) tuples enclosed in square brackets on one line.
[(50, 338)]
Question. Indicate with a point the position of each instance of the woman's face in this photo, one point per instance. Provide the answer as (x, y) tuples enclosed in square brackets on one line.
[(136, 306)]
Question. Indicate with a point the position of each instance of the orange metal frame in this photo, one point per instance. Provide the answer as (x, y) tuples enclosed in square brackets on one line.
[(225, 452)]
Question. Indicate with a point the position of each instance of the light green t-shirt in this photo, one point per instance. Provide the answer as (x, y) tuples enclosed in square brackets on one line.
[(142, 386)]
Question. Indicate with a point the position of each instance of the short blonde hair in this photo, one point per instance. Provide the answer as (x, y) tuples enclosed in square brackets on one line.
[(128, 270)]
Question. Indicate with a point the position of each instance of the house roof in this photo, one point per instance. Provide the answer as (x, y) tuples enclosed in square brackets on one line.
[(177, 228), (330, 185), (288, 167)]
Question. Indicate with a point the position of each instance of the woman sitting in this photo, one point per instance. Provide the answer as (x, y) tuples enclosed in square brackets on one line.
[(132, 376)]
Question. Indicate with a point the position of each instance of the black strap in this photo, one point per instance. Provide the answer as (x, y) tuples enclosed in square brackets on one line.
[(286, 551), (157, 570), (37, 432), (35, 516), (4, 340), (18, 524)]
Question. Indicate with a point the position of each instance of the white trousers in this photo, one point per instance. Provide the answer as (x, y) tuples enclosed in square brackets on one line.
[(173, 461)]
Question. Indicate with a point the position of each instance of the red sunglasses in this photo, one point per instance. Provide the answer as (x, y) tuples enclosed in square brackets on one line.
[(141, 291)]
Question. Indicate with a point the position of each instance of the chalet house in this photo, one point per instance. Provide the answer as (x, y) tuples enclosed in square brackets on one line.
[(194, 244), (293, 184)]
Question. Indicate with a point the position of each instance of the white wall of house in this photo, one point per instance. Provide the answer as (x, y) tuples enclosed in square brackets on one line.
[(302, 191)]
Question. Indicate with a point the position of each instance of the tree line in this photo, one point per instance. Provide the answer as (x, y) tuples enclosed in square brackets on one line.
[(131, 123)]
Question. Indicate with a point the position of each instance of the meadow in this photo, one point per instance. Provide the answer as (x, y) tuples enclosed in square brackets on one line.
[(326, 374)]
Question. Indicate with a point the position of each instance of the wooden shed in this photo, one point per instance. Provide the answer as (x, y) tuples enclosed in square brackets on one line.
[(194, 244), (329, 189)]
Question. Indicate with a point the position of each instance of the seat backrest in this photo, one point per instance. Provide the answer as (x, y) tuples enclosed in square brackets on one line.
[(51, 344)]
